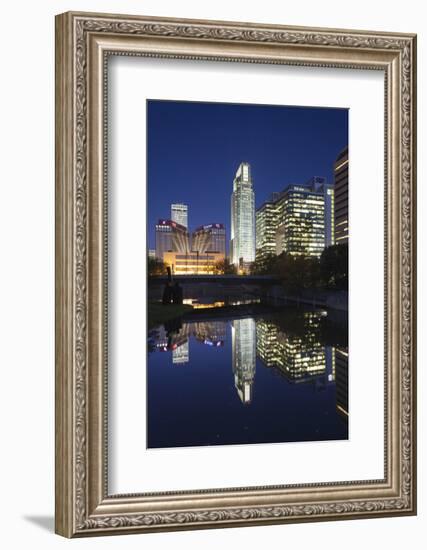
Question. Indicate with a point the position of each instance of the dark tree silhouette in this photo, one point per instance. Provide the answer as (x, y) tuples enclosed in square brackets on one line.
[(334, 267), (156, 267), (299, 271)]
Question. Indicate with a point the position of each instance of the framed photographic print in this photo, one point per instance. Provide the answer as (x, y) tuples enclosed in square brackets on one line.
[(235, 274)]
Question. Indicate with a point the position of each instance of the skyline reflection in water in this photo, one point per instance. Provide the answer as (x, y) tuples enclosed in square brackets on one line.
[(247, 380)]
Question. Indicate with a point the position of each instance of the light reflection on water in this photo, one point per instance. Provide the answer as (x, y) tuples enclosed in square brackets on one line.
[(278, 376)]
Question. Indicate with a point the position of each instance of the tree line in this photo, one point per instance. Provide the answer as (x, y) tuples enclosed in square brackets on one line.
[(295, 272)]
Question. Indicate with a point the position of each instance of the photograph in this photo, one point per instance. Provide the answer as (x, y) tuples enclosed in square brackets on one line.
[(247, 273), (235, 308)]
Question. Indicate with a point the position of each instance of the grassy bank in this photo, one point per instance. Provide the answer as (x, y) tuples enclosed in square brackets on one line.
[(159, 313)]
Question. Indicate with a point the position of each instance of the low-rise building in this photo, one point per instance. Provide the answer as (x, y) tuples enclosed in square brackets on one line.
[(193, 263)]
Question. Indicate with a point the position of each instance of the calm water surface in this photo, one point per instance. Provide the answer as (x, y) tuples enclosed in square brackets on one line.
[(246, 380)]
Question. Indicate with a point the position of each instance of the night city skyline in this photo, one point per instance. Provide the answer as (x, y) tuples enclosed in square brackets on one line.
[(248, 229), (194, 150)]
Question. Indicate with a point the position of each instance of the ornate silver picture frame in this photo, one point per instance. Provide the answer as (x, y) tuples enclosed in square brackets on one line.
[(84, 42)]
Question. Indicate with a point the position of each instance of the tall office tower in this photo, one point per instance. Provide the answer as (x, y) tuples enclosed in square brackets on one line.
[(341, 197), (242, 243), (209, 238), (319, 184), (243, 345), (302, 222), (171, 237), (179, 214), (298, 220), (266, 220)]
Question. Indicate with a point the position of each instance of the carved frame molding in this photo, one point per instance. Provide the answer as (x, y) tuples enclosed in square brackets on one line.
[(83, 43)]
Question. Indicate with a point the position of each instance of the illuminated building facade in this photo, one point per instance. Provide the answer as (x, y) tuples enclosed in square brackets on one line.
[(171, 237), (266, 220), (209, 238), (302, 217), (242, 243), (192, 262), (319, 184), (243, 345), (299, 220), (341, 197), (179, 214)]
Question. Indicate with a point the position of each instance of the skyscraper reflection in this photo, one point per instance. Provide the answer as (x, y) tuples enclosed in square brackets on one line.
[(341, 366), (210, 332), (266, 342), (297, 352), (175, 336), (243, 344), (181, 354), (300, 357)]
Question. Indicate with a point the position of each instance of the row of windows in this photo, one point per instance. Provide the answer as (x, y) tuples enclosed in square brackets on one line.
[(295, 237), (192, 257), (308, 229), (344, 222), (293, 245), (304, 224), (164, 228), (192, 269), (303, 206)]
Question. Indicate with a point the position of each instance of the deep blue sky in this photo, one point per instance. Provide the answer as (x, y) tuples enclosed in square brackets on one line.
[(194, 150)]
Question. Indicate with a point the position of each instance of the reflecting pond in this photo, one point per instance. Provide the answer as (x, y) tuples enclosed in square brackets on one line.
[(264, 379)]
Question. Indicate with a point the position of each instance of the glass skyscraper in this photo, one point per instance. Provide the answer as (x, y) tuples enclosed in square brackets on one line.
[(302, 231), (266, 222), (320, 185), (242, 243), (341, 197), (299, 220)]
